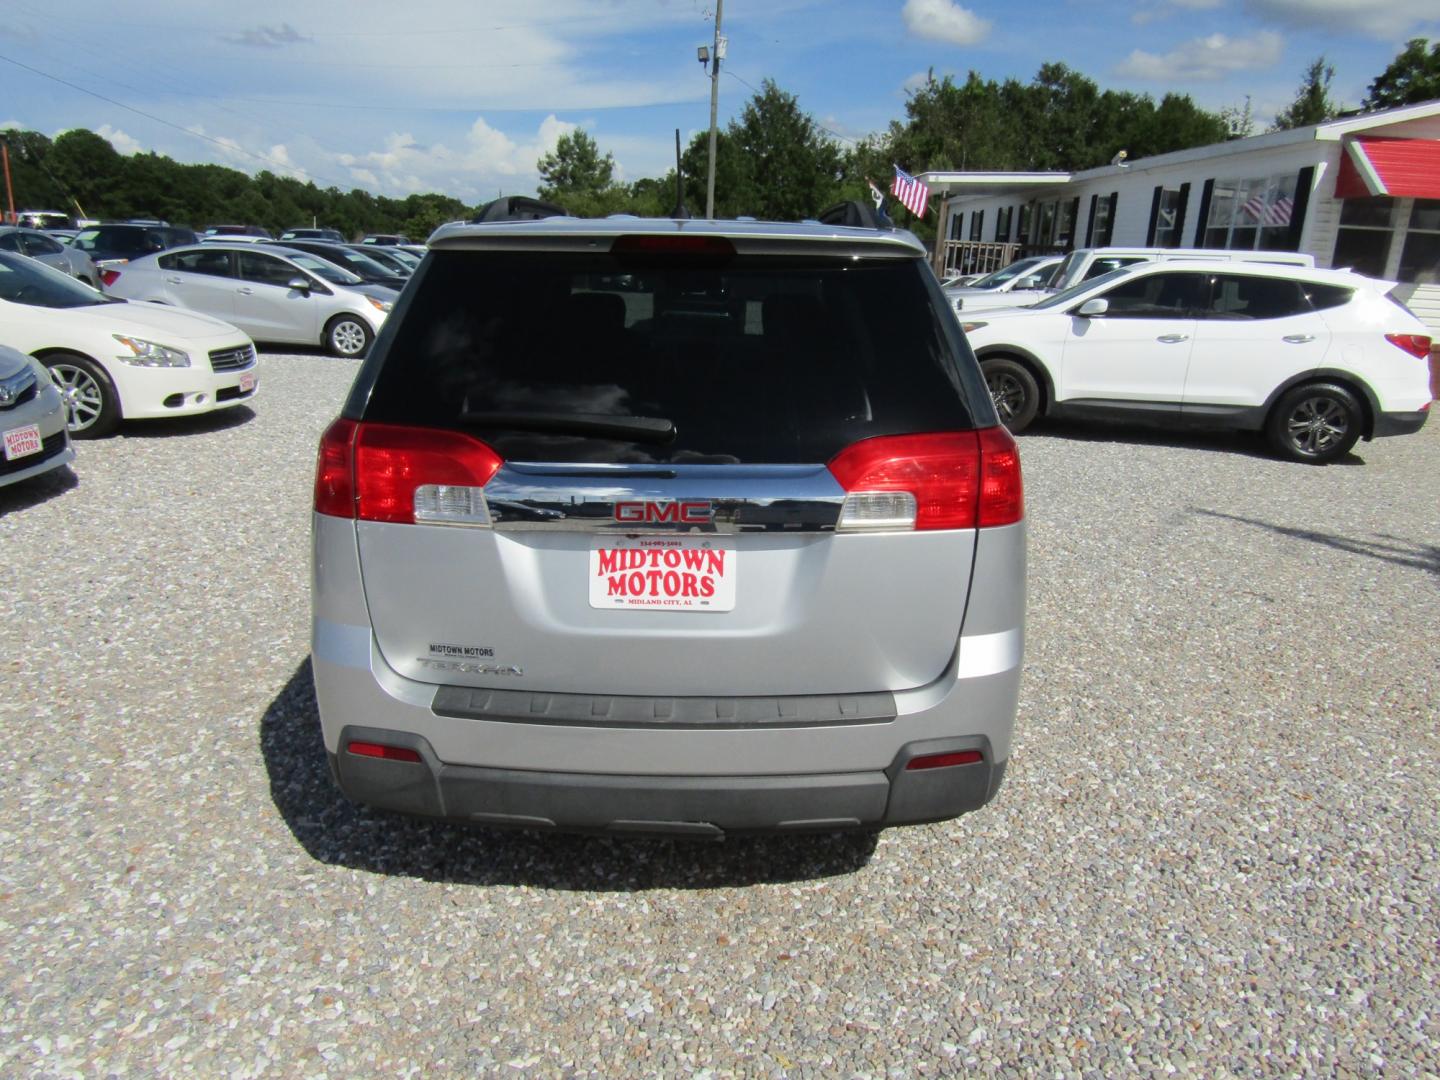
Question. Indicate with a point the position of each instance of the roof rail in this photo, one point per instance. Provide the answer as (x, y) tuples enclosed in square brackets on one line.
[(517, 208), (855, 214)]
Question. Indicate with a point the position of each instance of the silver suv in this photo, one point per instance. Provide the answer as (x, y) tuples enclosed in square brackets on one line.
[(669, 526)]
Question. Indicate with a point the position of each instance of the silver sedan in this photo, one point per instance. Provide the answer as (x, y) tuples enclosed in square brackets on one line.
[(49, 250), (271, 292)]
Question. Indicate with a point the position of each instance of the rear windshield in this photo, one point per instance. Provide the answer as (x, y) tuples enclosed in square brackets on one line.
[(126, 239), (760, 360)]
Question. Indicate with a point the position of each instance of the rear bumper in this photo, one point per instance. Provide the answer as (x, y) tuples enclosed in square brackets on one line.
[(704, 806), (1400, 423)]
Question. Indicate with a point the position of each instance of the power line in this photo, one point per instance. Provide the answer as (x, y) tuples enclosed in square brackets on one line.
[(822, 127), (234, 146)]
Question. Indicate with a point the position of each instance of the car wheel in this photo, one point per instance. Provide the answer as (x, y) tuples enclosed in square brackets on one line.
[(92, 407), (1315, 424), (1013, 390), (348, 335)]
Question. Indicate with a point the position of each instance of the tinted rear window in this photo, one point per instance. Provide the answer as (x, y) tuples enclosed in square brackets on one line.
[(768, 360)]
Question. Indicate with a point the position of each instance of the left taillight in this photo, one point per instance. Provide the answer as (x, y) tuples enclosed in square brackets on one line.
[(1417, 345), (109, 277), (393, 473), (943, 480)]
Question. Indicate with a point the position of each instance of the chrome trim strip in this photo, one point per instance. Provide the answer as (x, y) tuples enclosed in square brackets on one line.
[(736, 498)]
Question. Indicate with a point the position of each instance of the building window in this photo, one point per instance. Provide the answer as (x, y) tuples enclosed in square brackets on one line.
[(1065, 222), (1168, 220), (977, 224), (1002, 224), (1104, 225), (1420, 257), (957, 221), (1027, 223), (1362, 242), (1251, 215)]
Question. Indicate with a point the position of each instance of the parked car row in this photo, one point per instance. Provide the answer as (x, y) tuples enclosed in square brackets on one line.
[(109, 359), (1256, 341)]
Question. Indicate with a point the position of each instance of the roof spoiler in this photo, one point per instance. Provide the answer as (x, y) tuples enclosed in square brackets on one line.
[(856, 215), (517, 208)]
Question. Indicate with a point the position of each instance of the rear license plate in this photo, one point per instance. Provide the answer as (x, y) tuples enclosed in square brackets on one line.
[(662, 574), (22, 442), (247, 382)]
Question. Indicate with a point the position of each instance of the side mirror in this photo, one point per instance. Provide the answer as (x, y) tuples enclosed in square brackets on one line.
[(1091, 308), (299, 284), (1031, 281)]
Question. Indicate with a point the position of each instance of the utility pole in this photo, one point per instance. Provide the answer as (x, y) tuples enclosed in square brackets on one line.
[(714, 103)]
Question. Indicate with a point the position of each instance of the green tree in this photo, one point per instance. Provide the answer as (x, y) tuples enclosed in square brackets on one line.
[(1312, 104), (1414, 75), (575, 174), (772, 162)]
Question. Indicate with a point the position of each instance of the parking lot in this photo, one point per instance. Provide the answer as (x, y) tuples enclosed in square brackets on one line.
[(1215, 851)]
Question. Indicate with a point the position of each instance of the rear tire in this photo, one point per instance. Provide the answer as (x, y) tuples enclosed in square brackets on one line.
[(92, 405), (1315, 424), (348, 335), (1013, 390)]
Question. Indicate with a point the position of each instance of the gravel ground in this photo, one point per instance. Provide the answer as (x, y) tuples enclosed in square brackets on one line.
[(1215, 853)]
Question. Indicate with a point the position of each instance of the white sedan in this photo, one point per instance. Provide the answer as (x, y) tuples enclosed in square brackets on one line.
[(116, 360), (1315, 359)]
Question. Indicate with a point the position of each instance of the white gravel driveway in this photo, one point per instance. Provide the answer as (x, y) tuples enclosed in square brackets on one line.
[(1215, 851)]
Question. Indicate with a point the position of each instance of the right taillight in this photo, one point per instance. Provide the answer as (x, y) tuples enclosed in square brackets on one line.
[(388, 472), (944, 480), (1417, 345)]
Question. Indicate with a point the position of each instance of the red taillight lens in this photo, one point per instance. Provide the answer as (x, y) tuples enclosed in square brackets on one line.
[(1002, 490), (109, 277), (958, 479), (371, 471), (944, 761), (380, 750), (1417, 345), (392, 461), (334, 470)]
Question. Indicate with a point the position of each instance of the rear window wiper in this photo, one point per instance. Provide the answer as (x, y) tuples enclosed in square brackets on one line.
[(636, 428)]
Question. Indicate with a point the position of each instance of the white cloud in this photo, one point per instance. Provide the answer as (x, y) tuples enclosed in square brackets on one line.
[(484, 160), (268, 37), (1378, 20), (916, 81), (1204, 58), (123, 143), (945, 20)]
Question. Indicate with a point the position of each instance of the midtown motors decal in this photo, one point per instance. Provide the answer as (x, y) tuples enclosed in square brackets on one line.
[(671, 574)]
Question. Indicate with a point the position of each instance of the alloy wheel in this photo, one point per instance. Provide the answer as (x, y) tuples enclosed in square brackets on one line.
[(1316, 425), (349, 337), (84, 400), (1007, 394)]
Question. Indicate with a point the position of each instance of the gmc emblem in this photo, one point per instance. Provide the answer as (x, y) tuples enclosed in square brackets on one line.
[(683, 513)]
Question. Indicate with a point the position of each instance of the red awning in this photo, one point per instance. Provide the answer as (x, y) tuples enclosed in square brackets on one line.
[(1374, 165)]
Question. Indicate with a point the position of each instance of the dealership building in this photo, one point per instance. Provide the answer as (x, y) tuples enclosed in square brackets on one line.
[(1361, 192)]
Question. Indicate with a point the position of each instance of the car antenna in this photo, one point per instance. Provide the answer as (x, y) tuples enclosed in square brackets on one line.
[(679, 213)]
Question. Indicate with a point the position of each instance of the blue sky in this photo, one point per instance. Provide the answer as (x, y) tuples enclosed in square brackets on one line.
[(463, 96)]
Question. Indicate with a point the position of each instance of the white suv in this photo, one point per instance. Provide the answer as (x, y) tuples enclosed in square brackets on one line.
[(1314, 358)]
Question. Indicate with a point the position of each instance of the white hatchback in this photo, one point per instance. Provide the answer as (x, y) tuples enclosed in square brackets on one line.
[(115, 360), (1315, 359)]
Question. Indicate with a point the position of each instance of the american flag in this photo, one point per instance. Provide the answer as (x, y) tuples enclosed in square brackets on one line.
[(912, 193), (1264, 212)]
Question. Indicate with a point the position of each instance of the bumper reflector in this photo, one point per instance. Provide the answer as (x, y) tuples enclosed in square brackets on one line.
[(379, 750), (942, 761)]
